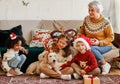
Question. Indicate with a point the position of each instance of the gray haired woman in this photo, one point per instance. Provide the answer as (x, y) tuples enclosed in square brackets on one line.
[(99, 30)]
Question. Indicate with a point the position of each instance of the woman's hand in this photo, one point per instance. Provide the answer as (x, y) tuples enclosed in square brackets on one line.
[(56, 68), (94, 41)]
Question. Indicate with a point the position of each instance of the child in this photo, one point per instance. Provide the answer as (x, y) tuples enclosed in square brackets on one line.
[(61, 44), (12, 61), (82, 44)]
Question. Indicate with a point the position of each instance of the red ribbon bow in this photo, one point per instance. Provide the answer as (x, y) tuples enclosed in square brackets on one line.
[(91, 77)]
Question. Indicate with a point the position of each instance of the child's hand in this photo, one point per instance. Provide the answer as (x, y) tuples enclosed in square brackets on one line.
[(11, 71), (57, 68), (83, 72), (24, 50)]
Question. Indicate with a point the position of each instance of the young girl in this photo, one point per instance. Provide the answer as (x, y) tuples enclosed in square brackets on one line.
[(61, 44), (12, 61), (82, 44)]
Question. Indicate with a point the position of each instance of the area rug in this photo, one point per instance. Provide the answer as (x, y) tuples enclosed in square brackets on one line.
[(33, 79)]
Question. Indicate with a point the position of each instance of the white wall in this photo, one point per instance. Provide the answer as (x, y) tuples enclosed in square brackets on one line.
[(43, 9), (47, 9)]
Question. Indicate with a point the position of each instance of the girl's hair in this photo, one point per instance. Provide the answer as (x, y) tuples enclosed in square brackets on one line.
[(11, 42), (96, 4), (67, 48)]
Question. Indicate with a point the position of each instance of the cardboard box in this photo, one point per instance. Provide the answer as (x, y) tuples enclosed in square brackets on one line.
[(89, 79)]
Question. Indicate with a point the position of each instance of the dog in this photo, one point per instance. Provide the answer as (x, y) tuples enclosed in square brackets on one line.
[(34, 67), (83, 64), (52, 62), (44, 58)]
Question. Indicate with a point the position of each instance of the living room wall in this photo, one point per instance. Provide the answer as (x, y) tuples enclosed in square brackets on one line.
[(51, 10), (55, 10), (46, 9)]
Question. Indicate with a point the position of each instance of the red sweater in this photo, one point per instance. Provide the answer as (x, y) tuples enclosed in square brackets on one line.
[(88, 56)]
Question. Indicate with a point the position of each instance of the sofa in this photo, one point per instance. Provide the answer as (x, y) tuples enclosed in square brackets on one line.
[(27, 28)]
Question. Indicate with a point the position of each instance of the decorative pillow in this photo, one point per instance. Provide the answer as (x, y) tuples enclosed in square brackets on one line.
[(4, 34), (48, 44), (38, 37)]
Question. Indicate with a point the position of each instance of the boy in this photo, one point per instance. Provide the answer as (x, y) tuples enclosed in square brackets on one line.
[(82, 44)]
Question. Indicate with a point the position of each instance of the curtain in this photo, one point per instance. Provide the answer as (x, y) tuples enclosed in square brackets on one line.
[(115, 15)]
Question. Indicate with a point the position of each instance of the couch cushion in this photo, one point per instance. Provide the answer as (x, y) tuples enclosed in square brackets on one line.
[(4, 34), (111, 54), (32, 56), (38, 37)]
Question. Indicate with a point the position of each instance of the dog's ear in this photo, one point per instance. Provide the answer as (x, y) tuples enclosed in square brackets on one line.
[(45, 59), (41, 56)]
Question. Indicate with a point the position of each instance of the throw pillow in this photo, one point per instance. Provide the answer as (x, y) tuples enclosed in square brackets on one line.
[(4, 34), (38, 37)]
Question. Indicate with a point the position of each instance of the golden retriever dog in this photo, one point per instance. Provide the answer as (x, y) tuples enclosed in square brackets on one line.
[(44, 58), (52, 62), (34, 67)]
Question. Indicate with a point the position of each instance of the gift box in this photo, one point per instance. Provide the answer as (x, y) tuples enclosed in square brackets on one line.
[(89, 79)]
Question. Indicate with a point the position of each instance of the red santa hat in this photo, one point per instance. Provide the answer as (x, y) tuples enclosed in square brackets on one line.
[(13, 36), (83, 39)]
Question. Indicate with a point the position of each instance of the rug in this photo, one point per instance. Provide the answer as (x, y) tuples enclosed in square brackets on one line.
[(34, 79)]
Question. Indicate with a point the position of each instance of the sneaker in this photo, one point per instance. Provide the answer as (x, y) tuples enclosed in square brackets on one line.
[(8, 74), (17, 70), (42, 75), (66, 77), (106, 68), (76, 76)]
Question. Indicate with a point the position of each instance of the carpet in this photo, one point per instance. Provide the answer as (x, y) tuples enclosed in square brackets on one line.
[(33, 79)]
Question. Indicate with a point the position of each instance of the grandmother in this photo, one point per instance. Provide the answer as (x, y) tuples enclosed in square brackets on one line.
[(99, 30)]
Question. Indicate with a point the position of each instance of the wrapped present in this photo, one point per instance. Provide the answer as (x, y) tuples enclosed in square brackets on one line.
[(89, 79)]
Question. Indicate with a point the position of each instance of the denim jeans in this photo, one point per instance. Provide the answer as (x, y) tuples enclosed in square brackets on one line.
[(17, 61), (99, 50)]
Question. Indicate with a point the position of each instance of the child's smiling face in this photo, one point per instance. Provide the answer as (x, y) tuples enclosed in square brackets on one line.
[(81, 47), (17, 46), (62, 43)]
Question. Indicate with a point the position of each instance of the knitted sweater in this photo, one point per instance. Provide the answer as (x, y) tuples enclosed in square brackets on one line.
[(100, 29), (88, 56)]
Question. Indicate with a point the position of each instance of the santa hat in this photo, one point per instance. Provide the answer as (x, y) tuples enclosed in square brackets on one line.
[(13, 36), (83, 39)]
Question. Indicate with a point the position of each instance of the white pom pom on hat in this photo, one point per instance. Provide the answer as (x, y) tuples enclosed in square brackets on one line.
[(13, 36), (83, 39)]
